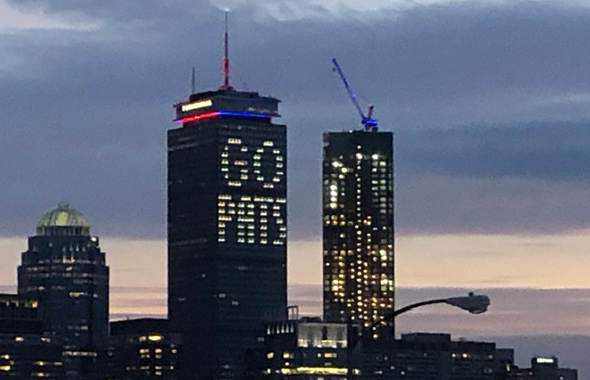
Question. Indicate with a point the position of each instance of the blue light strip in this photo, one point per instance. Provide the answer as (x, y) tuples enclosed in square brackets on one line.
[(244, 114)]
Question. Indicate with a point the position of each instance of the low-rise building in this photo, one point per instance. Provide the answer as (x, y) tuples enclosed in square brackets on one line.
[(545, 368), (26, 352), (139, 349), (302, 349)]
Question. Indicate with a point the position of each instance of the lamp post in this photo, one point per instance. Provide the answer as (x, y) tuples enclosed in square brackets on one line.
[(472, 303)]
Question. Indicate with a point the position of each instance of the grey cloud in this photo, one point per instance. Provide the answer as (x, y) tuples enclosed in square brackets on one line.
[(8, 289), (135, 290), (139, 303), (551, 151), (126, 316), (446, 204), (511, 178), (307, 297), (84, 113)]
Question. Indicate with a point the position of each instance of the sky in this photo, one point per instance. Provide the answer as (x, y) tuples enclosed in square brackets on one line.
[(489, 102)]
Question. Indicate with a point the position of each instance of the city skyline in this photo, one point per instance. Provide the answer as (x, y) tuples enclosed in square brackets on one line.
[(486, 200)]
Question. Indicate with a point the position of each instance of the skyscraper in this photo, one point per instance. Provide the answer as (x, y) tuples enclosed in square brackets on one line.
[(358, 235), (64, 268), (227, 231)]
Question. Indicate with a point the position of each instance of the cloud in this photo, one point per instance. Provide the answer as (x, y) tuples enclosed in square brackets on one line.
[(513, 311), (518, 178), (551, 150), (15, 17), (9, 289), (85, 114)]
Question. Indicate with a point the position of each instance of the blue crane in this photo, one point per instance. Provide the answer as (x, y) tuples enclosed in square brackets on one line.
[(368, 122)]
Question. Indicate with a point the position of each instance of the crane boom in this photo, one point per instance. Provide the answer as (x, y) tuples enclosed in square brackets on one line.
[(368, 122)]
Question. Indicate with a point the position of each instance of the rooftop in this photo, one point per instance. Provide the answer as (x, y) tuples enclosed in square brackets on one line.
[(63, 217)]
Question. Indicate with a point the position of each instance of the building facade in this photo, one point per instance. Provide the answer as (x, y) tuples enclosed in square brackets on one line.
[(19, 315), (139, 349), (306, 349), (65, 270), (227, 228), (422, 356), (26, 352), (545, 368), (358, 234)]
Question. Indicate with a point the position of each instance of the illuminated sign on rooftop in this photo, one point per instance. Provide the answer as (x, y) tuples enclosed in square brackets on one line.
[(545, 360), (196, 105)]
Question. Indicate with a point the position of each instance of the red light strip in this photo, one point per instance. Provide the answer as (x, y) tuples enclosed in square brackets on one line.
[(202, 116)]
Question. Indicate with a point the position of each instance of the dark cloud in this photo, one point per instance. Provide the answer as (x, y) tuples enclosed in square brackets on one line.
[(512, 310), (551, 151), (84, 113), (512, 178)]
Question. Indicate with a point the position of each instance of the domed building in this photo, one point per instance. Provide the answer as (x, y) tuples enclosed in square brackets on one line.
[(64, 221), (65, 269)]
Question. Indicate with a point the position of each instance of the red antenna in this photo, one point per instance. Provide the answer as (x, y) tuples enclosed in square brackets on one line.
[(226, 59)]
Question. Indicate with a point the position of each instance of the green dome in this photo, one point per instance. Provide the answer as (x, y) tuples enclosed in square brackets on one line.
[(63, 216)]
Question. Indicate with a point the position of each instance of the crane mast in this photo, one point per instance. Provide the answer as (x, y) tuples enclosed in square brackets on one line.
[(369, 124)]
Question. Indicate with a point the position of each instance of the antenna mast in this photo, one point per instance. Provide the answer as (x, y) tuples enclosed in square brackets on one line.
[(226, 58), (193, 80)]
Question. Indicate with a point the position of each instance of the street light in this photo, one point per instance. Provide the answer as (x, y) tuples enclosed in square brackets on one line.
[(473, 303)]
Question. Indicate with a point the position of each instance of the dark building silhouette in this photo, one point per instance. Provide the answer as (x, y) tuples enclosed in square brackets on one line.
[(420, 356), (25, 351), (30, 356), (139, 349), (227, 230), (19, 315), (65, 270), (545, 368), (358, 235), (305, 349)]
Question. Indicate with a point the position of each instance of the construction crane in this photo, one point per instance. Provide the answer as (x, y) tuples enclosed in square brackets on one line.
[(369, 124)]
